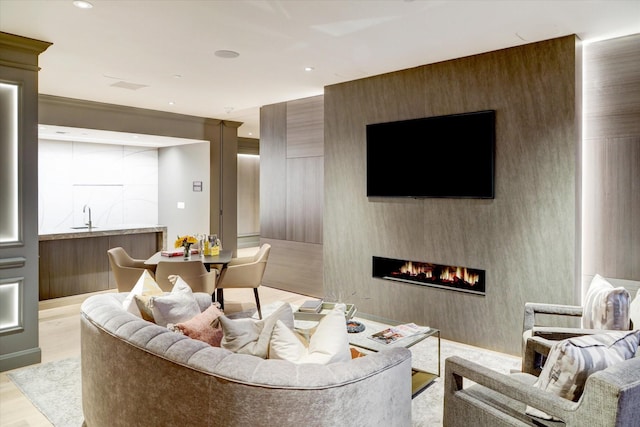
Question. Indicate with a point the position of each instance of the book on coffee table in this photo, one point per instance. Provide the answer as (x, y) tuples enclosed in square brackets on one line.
[(398, 332), (311, 306)]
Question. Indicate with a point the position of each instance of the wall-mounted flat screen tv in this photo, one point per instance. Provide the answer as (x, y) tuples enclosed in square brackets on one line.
[(449, 156)]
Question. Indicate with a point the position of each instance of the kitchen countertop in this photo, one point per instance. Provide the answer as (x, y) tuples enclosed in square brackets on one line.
[(98, 231)]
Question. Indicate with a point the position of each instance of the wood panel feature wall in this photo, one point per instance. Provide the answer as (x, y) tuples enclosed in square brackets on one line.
[(525, 239), (273, 171), (294, 265), (292, 192), (305, 127), (305, 191), (611, 159)]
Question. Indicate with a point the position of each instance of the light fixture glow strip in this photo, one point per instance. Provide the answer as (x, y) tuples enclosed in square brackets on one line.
[(10, 305), (9, 163)]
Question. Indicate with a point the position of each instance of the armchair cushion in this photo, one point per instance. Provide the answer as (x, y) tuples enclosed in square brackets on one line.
[(605, 307), (571, 361)]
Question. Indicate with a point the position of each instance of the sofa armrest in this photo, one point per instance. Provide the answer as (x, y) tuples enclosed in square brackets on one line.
[(457, 369)]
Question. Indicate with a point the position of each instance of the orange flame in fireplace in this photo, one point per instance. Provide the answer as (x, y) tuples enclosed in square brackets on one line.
[(448, 274), (452, 274), (418, 268)]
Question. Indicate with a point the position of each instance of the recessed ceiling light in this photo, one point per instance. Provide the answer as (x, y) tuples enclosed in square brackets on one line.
[(226, 54), (81, 4), (172, 103), (308, 68)]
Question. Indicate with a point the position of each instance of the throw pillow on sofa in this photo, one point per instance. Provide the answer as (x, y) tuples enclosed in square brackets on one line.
[(177, 306), (250, 336), (328, 344), (634, 311), (204, 326), (571, 361), (605, 307), (145, 286)]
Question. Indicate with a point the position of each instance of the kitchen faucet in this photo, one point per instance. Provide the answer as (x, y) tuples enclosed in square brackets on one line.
[(83, 211)]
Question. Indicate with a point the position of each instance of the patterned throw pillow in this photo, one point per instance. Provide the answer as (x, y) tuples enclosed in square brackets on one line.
[(605, 307), (571, 361), (634, 311)]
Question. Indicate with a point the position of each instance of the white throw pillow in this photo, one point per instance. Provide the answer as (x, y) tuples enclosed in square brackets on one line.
[(145, 285), (571, 361), (329, 343), (250, 336), (178, 306), (286, 344), (605, 307)]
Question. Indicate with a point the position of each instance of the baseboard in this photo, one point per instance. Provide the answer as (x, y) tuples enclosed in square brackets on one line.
[(20, 359)]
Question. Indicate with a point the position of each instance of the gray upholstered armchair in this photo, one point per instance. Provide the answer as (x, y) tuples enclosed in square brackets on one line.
[(554, 322), (611, 397)]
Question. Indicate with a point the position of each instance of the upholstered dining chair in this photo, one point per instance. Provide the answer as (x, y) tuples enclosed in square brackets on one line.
[(193, 272), (126, 270), (245, 272)]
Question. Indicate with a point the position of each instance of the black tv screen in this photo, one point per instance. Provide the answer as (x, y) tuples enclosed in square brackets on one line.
[(445, 156)]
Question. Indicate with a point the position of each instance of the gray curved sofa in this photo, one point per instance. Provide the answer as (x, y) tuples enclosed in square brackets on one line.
[(136, 373)]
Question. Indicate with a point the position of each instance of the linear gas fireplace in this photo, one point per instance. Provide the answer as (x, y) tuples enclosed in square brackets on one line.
[(455, 278)]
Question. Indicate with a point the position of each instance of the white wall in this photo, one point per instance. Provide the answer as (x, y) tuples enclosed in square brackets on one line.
[(119, 183), (179, 167)]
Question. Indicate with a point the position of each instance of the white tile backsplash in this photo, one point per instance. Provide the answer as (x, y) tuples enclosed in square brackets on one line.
[(119, 184)]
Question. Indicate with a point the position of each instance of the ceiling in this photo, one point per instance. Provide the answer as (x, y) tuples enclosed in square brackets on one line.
[(161, 55)]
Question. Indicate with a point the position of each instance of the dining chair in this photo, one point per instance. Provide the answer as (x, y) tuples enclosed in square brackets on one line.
[(193, 272), (245, 272), (126, 270)]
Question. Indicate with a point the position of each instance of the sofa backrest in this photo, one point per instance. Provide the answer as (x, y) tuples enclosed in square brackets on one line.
[(131, 366)]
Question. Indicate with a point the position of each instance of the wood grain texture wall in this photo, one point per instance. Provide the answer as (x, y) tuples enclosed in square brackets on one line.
[(525, 238), (611, 159), (292, 193)]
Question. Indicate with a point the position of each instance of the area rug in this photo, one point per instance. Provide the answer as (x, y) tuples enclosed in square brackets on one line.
[(55, 388)]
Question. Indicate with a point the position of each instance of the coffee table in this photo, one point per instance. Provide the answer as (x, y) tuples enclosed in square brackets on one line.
[(420, 379)]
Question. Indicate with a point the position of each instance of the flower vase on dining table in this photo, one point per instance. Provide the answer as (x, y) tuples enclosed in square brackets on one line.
[(186, 242)]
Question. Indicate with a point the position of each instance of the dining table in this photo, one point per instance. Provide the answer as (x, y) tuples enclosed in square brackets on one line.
[(223, 258)]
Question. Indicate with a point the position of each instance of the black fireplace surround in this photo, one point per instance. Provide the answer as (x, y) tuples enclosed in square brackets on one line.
[(454, 278)]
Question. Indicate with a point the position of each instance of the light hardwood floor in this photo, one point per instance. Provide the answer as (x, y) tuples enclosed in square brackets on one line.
[(59, 322)]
